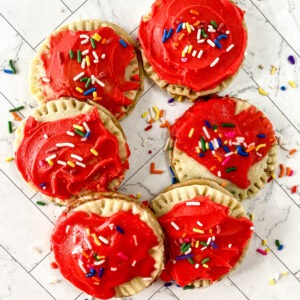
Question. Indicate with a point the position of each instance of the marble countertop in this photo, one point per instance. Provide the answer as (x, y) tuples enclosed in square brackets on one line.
[(25, 227)]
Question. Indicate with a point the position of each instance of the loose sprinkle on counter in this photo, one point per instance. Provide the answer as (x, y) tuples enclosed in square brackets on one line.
[(153, 170), (41, 203), (261, 251), (291, 59)]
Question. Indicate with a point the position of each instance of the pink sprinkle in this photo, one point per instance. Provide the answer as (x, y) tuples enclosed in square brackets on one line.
[(42, 163), (291, 173), (225, 161), (230, 134), (180, 240), (186, 240), (184, 59), (122, 255), (261, 251)]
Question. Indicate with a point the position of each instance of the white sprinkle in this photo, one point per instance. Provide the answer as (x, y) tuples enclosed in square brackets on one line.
[(45, 79), (61, 162), (192, 27), (210, 42), (276, 276), (111, 226), (197, 266), (77, 157), (77, 250), (175, 226), (103, 55), (36, 249), (213, 238), (133, 263), (88, 243), (215, 143), (199, 223), (200, 41), (147, 278), (103, 239), (84, 36), (162, 120), (203, 248), (95, 55), (214, 62), (218, 229), (219, 173), (86, 127), (83, 64), (99, 82), (206, 132), (96, 61), (80, 263), (194, 53), (208, 241), (54, 281), (70, 133), (113, 269), (211, 30), (78, 76), (240, 138), (229, 47), (151, 113), (258, 154), (80, 164), (229, 245), (200, 54), (100, 262), (186, 48), (252, 228), (93, 79), (45, 136), (199, 34), (167, 144), (51, 157), (74, 238), (188, 251), (228, 154), (65, 145), (183, 25), (67, 229), (192, 203), (227, 32), (85, 52), (135, 240)]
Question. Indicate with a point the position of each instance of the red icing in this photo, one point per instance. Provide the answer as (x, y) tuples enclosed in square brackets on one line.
[(226, 230), (110, 70), (65, 181), (73, 226), (195, 73), (248, 124)]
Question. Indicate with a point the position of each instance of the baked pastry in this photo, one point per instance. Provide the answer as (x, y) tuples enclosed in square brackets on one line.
[(226, 140), (108, 245), (193, 48), (89, 59), (67, 148), (206, 229)]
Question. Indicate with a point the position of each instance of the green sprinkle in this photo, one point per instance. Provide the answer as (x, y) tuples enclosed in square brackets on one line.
[(41, 203), (79, 132), (79, 56), (204, 35), (214, 24), (203, 146), (84, 79), (230, 169), (188, 287), (277, 243), (96, 256), (205, 260), (17, 108), (11, 64), (71, 53), (191, 261), (227, 125), (203, 244), (88, 83), (93, 43), (214, 127), (9, 126), (185, 247)]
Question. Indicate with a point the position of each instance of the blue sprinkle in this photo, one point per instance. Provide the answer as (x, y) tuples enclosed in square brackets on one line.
[(261, 135), (119, 229), (171, 100), (87, 134), (169, 34), (211, 147), (280, 247), (201, 154), (241, 151), (42, 184), (90, 91), (8, 71), (101, 271), (185, 256), (222, 36), (92, 273), (291, 59), (168, 284), (226, 149), (174, 180), (172, 172), (123, 43), (217, 44), (283, 88), (164, 37), (207, 124), (219, 142), (179, 27), (213, 245)]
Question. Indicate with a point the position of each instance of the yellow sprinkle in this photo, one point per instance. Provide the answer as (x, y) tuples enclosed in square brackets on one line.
[(190, 49), (97, 37), (78, 89), (262, 91), (87, 230), (191, 132), (267, 250), (94, 152), (205, 266), (272, 175), (181, 36), (260, 146), (71, 164), (285, 273), (264, 242), (273, 70), (179, 99), (183, 53), (9, 158), (94, 94), (156, 110), (138, 196), (251, 216), (96, 240), (50, 162), (198, 230), (81, 128), (87, 60), (197, 150), (145, 114), (226, 142), (206, 145), (272, 281), (292, 84), (188, 27), (197, 244)]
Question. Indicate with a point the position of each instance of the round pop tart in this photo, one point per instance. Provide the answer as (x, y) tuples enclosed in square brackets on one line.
[(226, 140), (108, 245), (67, 148), (193, 48), (89, 59), (206, 229)]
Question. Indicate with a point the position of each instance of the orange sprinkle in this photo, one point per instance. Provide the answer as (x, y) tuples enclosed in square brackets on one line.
[(175, 44), (213, 167), (288, 171), (250, 148), (194, 12), (196, 23), (103, 41), (153, 171), (150, 121), (96, 279), (224, 183), (84, 254), (292, 151), (282, 169), (164, 125), (294, 189), (161, 113), (97, 98), (218, 157), (168, 126), (16, 116), (181, 36)]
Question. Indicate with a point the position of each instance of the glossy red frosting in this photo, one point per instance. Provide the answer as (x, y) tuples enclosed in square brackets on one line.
[(166, 57), (221, 242), (61, 69), (248, 126), (127, 252), (40, 142)]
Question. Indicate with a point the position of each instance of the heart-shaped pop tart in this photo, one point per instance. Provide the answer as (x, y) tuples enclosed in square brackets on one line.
[(108, 245), (227, 140), (206, 232)]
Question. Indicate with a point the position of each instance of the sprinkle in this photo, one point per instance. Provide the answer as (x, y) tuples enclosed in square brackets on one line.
[(78, 89), (122, 255), (45, 136), (99, 82), (60, 162), (86, 127), (262, 91), (9, 158), (93, 151), (97, 242), (179, 27), (191, 261), (205, 260), (194, 12), (88, 82), (210, 42), (46, 79), (87, 60), (204, 35), (175, 226), (252, 228), (206, 132), (148, 128), (8, 71), (123, 43), (261, 251), (169, 34), (71, 164), (291, 59), (119, 229), (228, 125), (229, 47), (198, 230), (10, 130), (214, 24), (218, 44), (83, 64), (93, 43), (41, 203), (11, 64), (277, 243), (79, 56), (294, 189), (51, 157), (200, 54), (185, 256), (261, 135), (188, 287), (272, 281), (282, 170), (292, 84), (230, 169), (260, 146), (79, 132), (85, 52), (77, 157), (214, 62), (153, 170), (283, 88), (192, 203), (191, 132), (229, 246), (241, 151), (90, 91), (71, 54), (16, 116)]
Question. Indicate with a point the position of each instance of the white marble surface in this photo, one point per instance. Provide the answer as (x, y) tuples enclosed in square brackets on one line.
[(25, 256)]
